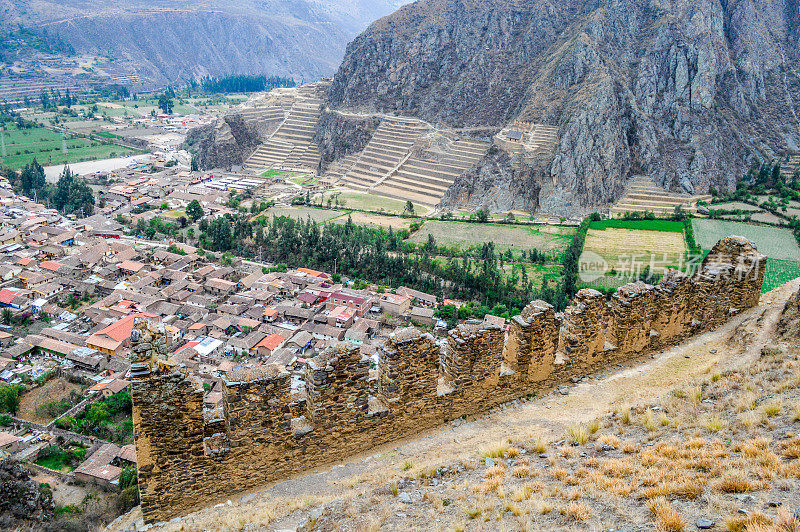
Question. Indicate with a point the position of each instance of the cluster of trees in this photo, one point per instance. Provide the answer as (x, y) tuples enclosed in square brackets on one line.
[(156, 225), (10, 398), (165, 101), (70, 195), (378, 255), (109, 419), (58, 456), (243, 83)]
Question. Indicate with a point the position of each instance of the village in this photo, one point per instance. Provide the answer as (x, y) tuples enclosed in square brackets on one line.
[(73, 288)]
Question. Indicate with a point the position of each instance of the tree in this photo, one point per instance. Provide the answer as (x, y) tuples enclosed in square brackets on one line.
[(32, 179), (194, 210), (409, 208), (72, 195), (165, 104), (483, 215), (7, 316)]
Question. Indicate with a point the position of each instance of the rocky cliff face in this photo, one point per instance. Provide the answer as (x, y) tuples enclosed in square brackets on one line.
[(227, 143), (340, 135), (23, 502), (687, 91)]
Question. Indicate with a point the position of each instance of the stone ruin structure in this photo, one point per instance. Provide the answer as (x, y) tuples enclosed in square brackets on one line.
[(188, 458)]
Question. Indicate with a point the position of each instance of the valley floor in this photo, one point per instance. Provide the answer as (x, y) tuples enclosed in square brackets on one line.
[(700, 433)]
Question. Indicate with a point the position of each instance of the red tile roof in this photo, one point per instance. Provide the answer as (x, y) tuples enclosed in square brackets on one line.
[(271, 342), (6, 296)]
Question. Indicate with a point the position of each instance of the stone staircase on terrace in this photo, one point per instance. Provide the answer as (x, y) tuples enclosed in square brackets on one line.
[(643, 195), (292, 146)]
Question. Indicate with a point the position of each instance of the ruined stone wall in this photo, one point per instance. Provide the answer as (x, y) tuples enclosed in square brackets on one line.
[(187, 461)]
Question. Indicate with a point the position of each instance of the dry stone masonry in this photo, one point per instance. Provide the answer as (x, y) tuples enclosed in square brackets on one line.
[(188, 459)]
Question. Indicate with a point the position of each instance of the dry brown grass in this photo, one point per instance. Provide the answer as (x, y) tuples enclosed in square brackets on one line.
[(734, 482), (579, 511), (667, 518)]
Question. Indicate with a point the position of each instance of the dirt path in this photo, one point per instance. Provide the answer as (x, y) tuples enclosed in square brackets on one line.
[(640, 382)]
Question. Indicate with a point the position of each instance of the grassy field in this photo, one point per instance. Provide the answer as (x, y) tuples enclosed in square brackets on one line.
[(302, 213), (51, 148), (779, 272), (55, 463), (643, 225), (629, 251), (773, 242), (517, 237), (372, 202)]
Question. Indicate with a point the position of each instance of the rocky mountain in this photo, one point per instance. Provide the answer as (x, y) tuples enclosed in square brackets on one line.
[(167, 41), (687, 91)]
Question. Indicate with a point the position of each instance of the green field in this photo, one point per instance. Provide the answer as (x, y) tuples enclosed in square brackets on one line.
[(773, 242), (780, 272), (504, 236), (50, 148), (643, 225)]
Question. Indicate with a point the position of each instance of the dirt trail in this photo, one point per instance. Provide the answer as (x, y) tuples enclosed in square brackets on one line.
[(639, 382)]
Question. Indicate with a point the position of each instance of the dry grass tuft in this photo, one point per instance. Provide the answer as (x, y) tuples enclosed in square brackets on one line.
[(734, 482), (578, 434), (668, 518), (772, 408), (579, 511)]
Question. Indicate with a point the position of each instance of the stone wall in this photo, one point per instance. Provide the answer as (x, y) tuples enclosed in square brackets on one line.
[(187, 461)]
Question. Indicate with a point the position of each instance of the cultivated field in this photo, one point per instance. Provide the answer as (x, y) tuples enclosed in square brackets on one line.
[(629, 251), (371, 202), (302, 213), (773, 242), (517, 237), (780, 272), (376, 220), (50, 148)]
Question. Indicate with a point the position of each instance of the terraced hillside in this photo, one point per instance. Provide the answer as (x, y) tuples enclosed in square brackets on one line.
[(389, 147), (643, 195), (292, 146), (792, 166), (425, 181), (393, 165)]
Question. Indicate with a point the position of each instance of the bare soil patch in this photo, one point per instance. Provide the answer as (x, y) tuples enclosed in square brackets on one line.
[(56, 389)]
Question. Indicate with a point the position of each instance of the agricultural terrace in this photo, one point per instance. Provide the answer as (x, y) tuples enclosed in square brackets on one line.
[(464, 235), (778, 245), (628, 246), (19, 147)]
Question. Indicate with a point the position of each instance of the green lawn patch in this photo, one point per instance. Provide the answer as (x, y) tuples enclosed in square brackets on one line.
[(644, 225), (107, 135), (274, 173)]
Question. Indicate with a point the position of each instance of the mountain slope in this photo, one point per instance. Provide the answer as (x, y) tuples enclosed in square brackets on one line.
[(170, 40), (685, 91)]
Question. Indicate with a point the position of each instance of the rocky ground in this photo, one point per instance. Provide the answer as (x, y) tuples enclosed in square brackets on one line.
[(702, 434)]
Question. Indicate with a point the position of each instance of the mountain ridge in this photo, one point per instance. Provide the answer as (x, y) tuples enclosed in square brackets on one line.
[(689, 93)]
